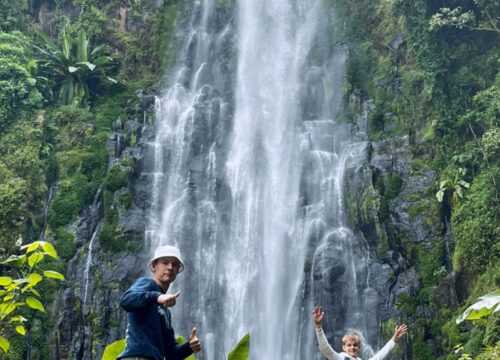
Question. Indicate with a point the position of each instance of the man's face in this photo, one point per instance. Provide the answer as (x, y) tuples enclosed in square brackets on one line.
[(351, 348), (165, 270)]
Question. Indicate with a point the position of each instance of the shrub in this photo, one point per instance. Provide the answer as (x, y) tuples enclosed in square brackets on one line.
[(73, 193), (18, 85)]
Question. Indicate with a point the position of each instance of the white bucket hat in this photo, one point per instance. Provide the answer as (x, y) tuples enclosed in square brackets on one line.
[(167, 251)]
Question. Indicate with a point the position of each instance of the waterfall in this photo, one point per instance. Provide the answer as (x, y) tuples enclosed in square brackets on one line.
[(264, 270), (88, 264), (250, 162), (50, 196)]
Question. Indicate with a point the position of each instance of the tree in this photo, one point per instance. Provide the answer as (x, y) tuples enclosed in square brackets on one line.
[(485, 16), (19, 290), (17, 84), (453, 183), (77, 71)]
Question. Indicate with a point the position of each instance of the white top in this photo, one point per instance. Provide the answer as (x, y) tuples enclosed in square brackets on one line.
[(330, 354)]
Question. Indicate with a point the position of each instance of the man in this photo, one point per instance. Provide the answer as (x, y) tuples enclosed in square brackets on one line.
[(351, 342), (149, 330)]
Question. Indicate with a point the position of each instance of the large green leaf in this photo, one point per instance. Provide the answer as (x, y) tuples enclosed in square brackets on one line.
[(19, 319), (67, 91), (49, 249), (4, 344), (15, 260), (67, 45), (34, 279), (82, 46), (31, 247), (487, 304), (35, 258), (53, 275), (89, 65), (5, 280), (242, 349), (34, 304), (21, 330), (112, 351), (6, 309)]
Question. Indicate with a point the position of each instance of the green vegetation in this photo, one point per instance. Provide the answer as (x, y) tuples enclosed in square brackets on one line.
[(77, 70), (17, 81), (431, 70), (22, 292), (57, 106)]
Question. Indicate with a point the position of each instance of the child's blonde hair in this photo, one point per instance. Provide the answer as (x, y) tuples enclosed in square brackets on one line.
[(352, 337)]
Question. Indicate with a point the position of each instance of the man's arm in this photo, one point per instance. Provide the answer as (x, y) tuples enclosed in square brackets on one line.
[(175, 351), (139, 296)]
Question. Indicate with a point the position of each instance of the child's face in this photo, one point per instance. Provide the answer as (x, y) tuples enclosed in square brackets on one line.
[(351, 348)]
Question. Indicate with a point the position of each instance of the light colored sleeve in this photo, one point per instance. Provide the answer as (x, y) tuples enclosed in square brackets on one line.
[(324, 346), (382, 353)]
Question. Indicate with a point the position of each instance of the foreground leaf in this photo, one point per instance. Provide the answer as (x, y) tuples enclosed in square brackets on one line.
[(488, 304), (4, 344), (31, 247), (53, 275), (19, 319), (15, 260), (34, 279), (7, 309), (21, 330), (49, 249), (5, 280), (34, 304), (242, 349), (112, 351), (35, 259)]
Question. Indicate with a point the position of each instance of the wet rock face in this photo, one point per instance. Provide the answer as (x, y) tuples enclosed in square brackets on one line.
[(86, 314)]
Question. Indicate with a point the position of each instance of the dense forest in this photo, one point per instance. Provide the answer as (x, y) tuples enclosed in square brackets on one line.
[(430, 70)]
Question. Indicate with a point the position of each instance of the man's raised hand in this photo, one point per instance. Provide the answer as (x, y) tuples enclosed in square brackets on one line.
[(194, 342), (168, 300)]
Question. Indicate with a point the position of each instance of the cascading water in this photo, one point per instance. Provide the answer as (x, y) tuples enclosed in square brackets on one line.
[(249, 185), (88, 264)]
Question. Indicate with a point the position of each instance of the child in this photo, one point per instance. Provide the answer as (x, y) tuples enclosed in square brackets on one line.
[(351, 341)]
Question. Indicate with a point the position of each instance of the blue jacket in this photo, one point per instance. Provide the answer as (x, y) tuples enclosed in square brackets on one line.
[(149, 329)]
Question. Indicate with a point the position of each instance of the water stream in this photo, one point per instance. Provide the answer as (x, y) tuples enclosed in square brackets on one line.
[(248, 181)]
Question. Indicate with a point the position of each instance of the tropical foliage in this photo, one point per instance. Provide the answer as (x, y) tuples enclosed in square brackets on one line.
[(19, 290), (429, 68), (77, 70), (487, 305), (17, 82)]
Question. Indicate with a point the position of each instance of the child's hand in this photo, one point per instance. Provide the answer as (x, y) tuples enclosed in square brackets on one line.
[(318, 315), (399, 331)]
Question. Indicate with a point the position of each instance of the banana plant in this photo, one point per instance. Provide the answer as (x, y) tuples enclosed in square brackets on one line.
[(487, 305), (76, 70), (452, 182)]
